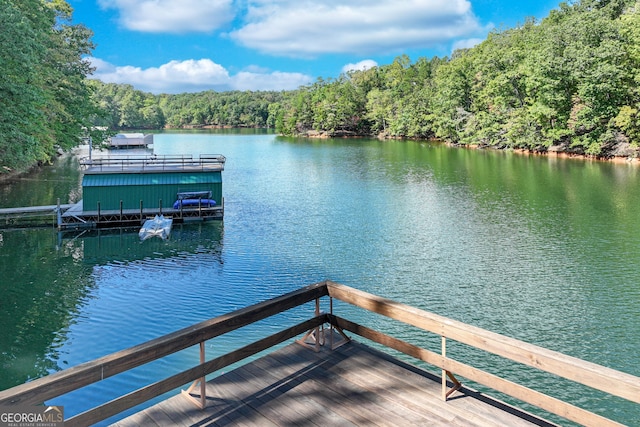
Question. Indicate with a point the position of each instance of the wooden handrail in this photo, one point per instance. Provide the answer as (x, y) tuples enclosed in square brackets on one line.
[(601, 378), (541, 400), (144, 394), (598, 377), (56, 384)]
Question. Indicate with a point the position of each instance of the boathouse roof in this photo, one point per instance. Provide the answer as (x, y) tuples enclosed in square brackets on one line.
[(125, 179), (129, 135), (154, 164)]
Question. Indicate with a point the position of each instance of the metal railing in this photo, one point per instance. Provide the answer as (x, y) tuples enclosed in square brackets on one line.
[(153, 163)]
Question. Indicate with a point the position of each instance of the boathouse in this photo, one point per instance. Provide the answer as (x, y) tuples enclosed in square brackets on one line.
[(126, 190), (155, 188), (130, 140)]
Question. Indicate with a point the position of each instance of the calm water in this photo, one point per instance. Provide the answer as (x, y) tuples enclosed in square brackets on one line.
[(543, 250)]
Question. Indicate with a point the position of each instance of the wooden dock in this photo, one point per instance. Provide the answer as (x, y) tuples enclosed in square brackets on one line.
[(333, 381), (75, 218), (354, 385), (31, 216), (72, 216)]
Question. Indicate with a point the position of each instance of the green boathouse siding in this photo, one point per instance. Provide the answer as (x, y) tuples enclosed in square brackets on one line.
[(110, 188)]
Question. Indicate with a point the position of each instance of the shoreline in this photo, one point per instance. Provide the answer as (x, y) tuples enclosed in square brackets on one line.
[(631, 158)]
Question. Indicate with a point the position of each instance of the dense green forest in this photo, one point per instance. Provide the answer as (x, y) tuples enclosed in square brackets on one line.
[(570, 82), (45, 105), (128, 108)]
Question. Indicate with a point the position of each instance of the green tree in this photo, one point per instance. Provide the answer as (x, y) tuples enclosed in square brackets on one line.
[(22, 119), (628, 118), (44, 101)]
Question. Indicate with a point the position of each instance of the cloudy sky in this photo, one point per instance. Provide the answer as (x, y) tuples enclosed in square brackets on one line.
[(174, 46)]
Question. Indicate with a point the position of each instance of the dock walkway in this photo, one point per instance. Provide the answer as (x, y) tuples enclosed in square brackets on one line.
[(31, 215), (353, 385), (77, 218)]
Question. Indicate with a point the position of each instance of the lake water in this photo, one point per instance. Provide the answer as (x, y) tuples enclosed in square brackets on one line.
[(541, 249)]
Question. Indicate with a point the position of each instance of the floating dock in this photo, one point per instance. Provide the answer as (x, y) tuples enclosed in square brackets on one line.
[(75, 217), (122, 191), (31, 216), (127, 190)]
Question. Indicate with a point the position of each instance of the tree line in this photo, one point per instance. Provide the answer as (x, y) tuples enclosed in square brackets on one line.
[(570, 82), (128, 108)]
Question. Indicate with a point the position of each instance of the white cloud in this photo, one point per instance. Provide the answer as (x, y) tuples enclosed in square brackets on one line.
[(308, 28), (360, 66), (467, 43), (172, 16), (195, 76), (276, 80)]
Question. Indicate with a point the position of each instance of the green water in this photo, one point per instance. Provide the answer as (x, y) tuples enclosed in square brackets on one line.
[(540, 249)]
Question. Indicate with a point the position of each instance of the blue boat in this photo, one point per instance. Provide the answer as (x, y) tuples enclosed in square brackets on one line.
[(205, 203)]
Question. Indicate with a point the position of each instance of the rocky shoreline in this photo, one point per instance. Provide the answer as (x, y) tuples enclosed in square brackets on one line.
[(622, 152)]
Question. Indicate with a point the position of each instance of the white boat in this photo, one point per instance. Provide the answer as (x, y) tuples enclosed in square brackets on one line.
[(158, 226)]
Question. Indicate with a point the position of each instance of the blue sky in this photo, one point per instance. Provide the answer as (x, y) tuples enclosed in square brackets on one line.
[(175, 46)]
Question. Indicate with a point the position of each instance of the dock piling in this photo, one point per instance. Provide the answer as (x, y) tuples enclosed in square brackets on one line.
[(59, 214)]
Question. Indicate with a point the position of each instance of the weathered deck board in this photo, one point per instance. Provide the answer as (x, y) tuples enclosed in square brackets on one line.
[(350, 386)]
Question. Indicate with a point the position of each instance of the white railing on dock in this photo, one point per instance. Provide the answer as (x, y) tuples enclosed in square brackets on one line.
[(153, 163)]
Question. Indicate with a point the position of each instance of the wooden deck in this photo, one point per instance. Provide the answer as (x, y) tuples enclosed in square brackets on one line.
[(351, 385)]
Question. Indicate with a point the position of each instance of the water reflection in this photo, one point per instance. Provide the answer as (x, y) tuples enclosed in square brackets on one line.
[(123, 245), (64, 290), (539, 249), (44, 185), (42, 291)]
